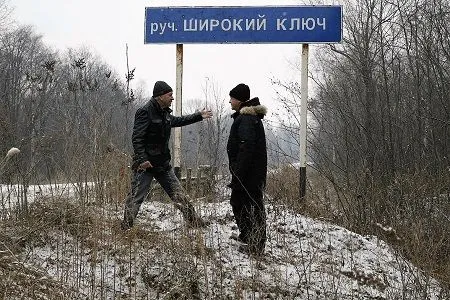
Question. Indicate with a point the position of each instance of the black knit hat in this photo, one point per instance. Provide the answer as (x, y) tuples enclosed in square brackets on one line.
[(240, 92), (161, 88)]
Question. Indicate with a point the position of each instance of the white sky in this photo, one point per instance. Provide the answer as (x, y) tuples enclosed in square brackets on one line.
[(107, 26)]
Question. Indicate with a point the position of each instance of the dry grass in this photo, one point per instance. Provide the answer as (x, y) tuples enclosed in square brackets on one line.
[(412, 213), (89, 235), (283, 188), (24, 281), (84, 241)]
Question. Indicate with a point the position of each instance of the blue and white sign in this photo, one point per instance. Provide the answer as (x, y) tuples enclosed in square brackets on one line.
[(267, 24)]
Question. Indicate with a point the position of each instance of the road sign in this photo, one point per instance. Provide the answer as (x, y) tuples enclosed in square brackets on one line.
[(267, 24)]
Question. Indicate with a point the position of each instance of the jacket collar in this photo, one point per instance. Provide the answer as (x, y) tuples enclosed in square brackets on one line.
[(251, 107), (155, 103)]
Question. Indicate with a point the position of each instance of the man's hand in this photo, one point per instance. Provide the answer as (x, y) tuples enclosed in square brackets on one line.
[(144, 166), (206, 114)]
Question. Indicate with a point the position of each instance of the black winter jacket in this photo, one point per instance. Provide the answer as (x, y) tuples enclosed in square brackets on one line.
[(151, 134), (246, 147)]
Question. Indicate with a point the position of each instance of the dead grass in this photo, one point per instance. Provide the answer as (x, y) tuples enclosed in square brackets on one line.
[(412, 213), (283, 188), (87, 235)]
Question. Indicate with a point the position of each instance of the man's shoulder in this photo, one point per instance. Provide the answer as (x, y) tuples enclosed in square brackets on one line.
[(148, 106), (150, 103), (254, 110)]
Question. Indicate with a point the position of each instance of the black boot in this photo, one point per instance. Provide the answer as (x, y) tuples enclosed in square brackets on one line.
[(126, 224)]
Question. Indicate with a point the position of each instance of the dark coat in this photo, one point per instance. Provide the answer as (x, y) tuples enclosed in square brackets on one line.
[(151, 134), (246, 147)]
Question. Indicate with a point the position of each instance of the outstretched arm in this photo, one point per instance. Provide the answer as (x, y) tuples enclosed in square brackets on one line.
[(190, 119)]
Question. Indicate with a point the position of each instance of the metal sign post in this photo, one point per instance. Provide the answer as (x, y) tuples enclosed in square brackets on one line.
[(178, 110), (303, 119), (244, 25)]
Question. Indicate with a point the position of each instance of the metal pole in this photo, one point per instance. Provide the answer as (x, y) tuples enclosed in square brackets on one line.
[(303, 121), (178, 110)]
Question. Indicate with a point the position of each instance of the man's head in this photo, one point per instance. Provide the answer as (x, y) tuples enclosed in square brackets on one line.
[(239, 94), (163, 93)]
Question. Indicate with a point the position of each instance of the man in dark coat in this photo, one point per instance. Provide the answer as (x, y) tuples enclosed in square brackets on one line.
[(247, 156), (151, 160)]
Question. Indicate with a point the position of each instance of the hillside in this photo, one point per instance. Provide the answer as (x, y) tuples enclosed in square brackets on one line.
[(71, 250)]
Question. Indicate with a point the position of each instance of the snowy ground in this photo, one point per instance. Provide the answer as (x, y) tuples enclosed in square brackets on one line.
[(162, 259)]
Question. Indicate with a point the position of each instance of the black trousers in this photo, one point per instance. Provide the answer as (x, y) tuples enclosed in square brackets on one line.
[(140, 187), (250, 215)]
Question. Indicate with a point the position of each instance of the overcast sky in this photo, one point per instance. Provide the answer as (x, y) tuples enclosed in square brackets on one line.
[(106, 26)]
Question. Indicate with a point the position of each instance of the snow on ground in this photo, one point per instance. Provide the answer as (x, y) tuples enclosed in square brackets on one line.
[(304, 259)]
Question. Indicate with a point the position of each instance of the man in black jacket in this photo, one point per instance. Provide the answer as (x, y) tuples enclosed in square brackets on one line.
[(151, 134), (247, 156)]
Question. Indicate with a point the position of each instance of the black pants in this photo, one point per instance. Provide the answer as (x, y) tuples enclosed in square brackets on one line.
[(140, 187), (250, 215)]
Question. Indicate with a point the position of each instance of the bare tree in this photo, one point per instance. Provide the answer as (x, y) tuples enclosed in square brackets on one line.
[(204, 143), (381, 116), (5, 15)]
